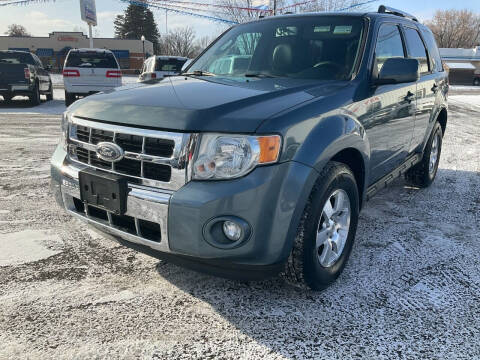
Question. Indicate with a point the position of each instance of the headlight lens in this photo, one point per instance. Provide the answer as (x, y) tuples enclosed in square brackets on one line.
[(222, 156), (64, 135)]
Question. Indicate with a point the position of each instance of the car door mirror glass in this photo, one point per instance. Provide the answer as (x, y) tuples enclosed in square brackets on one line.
[(397, 71)]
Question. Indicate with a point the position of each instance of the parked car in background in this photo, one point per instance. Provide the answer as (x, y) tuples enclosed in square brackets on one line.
[(251, 170), (157, 67), (476, 80), (22, 73), (89, 71)]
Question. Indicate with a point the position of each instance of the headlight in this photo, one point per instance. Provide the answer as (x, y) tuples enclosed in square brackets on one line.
[(64, 135), (222, 156)]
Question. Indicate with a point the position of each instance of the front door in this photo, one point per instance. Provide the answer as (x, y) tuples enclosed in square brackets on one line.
[(390, 114)]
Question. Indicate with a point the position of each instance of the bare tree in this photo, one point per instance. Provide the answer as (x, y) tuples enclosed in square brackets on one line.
[(179, 42), (17, 30), (333, 5), (456, 28), (236, 9)]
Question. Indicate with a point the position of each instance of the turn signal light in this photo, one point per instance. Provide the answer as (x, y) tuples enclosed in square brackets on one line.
[(269, 148)]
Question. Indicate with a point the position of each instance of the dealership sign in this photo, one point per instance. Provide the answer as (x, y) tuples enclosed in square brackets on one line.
[(88, 11)]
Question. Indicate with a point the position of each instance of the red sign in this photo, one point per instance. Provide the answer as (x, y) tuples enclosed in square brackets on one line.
[(67, 38)]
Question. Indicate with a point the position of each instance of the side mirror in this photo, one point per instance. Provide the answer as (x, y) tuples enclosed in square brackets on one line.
[(397, 71)]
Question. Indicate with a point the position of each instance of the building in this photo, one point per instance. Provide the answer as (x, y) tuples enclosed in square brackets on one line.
[(53, 49), (463, 65)]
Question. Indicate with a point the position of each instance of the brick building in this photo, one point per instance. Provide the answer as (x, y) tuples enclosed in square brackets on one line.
[(53, 49)]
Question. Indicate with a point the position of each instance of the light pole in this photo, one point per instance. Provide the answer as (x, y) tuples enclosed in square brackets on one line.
[(143, 46)]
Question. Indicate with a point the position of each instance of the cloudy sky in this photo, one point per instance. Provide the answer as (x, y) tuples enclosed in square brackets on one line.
[(64, 15)]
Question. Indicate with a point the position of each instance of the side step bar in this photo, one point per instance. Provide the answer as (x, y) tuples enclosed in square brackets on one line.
[(399, 171)]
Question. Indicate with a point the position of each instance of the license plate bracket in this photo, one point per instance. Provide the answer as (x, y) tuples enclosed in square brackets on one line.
[(103, 190)]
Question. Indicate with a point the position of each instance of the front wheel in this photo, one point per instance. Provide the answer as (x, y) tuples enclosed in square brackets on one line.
[(423, 174), (476, 82), (327, 230)]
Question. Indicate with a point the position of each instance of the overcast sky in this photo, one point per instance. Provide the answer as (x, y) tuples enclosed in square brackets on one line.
[(64, 15)]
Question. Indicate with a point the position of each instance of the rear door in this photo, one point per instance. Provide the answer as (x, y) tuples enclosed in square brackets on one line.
[(427, 87), (96, 69), (390, 113)]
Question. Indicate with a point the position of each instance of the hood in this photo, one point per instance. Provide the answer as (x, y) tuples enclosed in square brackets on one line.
[(199, 105)]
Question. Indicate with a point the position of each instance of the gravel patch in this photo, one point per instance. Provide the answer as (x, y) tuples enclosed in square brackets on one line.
[(411, 289)]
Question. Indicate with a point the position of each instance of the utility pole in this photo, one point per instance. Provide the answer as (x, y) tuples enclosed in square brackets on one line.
[(274, 7)]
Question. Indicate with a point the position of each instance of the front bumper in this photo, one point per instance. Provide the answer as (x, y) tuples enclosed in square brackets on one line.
[(271, 200)]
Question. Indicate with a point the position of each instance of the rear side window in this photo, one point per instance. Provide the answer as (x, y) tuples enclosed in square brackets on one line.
[(92, 60), (169, 65), (416, 49), (389, 45), (436, 60), (16, 58)]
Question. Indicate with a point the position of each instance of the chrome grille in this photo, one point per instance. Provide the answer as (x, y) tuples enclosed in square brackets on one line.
[(151, 157)]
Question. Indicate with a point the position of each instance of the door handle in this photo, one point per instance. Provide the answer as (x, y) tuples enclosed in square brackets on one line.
[(410, 97), (435, 88)]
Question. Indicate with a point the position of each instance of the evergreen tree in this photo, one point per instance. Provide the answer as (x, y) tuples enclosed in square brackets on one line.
[(136, 21)]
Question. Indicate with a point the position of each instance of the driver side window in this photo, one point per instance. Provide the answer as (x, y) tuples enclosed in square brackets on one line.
[(389, 45)]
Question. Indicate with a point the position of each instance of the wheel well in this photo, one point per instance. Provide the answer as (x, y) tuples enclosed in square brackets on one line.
[(442, 119), (354, 160)]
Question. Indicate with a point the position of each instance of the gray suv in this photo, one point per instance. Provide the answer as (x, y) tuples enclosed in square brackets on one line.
[(261, 167)]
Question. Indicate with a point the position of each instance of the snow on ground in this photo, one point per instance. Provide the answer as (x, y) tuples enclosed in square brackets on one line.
[(464, 88), (410, 290), (25, 247), (469, 100)]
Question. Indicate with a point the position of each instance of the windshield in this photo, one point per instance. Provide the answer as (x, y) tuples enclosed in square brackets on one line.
[(91, 60), (320, 47), (16, 58), (169, 65)]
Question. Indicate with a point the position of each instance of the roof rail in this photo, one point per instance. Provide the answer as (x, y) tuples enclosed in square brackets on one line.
[(388, 10)]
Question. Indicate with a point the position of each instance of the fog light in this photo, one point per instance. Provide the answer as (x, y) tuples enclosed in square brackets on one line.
[(232, 230)]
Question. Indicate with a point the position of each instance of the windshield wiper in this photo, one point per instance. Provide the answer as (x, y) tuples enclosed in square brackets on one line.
[(199, 73), (260, 75)]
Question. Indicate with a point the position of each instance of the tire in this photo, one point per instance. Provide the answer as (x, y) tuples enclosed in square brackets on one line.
[(476, 82), (307, 265), (7, 98), (69, 98), (35, 97), (50, 92), (423, 174)]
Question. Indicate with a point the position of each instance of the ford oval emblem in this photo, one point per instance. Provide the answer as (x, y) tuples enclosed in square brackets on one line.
[(109, 151)]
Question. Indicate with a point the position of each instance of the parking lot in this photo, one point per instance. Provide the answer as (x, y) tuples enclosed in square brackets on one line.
[(411, 289)]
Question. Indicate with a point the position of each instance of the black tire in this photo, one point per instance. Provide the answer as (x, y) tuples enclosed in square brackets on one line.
[(7, 98), (69, 98), (303, 267), (35, 97), (50, 92), (421, 175), (476, 82)]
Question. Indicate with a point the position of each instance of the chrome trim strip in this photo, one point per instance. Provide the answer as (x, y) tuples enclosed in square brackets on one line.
[(119, 233), (177, 137)]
